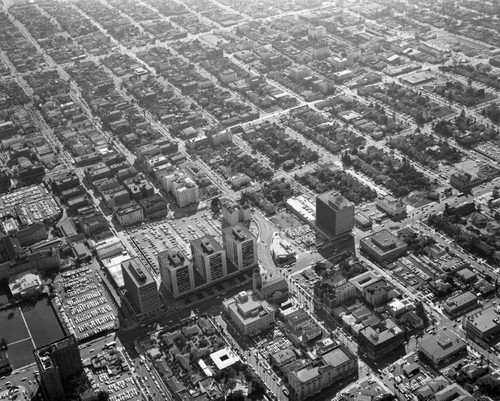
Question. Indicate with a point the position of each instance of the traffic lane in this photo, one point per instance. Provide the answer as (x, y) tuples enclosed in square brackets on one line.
[(441, 239), (129, 335), (270, 379), (151, 380)]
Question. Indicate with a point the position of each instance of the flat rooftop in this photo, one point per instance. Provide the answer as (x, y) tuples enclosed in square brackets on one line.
[(334, 199), (441, 344), (483, 320)]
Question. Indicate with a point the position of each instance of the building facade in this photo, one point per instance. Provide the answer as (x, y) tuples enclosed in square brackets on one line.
[(185, 192), (209, 258), (248, 313), (129, 214), (439, 349), (378, 342), (383, 246), (334, 214), (56, 362), (329, 368), (176, 272), (241, 246), (141, 288)]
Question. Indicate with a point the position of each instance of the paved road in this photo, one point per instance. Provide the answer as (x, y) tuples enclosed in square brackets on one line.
[(255, 360)]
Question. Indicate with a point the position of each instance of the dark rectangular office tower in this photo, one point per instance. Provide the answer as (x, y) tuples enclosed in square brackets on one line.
[(334, 214), (56, 362)]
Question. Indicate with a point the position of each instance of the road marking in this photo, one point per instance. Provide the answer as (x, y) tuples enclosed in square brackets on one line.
[(27, 328), (20, 341)]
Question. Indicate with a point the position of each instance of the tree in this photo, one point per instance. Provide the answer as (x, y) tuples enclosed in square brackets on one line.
[(236, 396), (215, 206), (257, 387), (419, 118), (420, 311), (102, 395), (231, 384)]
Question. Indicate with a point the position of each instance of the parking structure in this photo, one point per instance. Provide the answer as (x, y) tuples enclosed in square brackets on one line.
[(84, 304)]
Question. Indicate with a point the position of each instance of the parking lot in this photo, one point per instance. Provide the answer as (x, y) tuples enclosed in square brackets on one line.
[(367, 387), (407, 375), (148, 240), (411, 272), (120, 387), (108, 368), (84, 304), (272, 343)]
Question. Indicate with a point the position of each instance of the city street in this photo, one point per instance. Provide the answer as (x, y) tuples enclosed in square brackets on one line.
[(279, 61), (255, 360)]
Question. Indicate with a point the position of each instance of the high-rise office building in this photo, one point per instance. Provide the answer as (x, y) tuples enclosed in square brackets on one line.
[(334, 214), (233, 213), (176, 272), (240, 245), (209, 258), (141, 288), (56, 362)]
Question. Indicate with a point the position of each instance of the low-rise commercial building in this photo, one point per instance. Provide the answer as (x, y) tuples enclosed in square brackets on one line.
[(380, 341), (383, 246), (25, 285), (440, 348), (371, 287), (483, 324), (248, 313), (329, 293), (392, 207), (460, 304), (129, 214), (154, 207), (282, 358), (329, 368), (272, 287), (461, 181)]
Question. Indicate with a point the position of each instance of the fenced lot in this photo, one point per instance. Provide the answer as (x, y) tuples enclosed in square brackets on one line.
[(28, 327)]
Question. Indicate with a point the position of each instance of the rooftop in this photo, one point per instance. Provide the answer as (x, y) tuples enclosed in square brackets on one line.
[(239, 232), (441, 344), (206, 245), (335, 200), (383, 241), (137, 272), (247, 306), (484, 320), (307, 374), (224, 358), (460, 300), (336, 357), (381, 333)]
